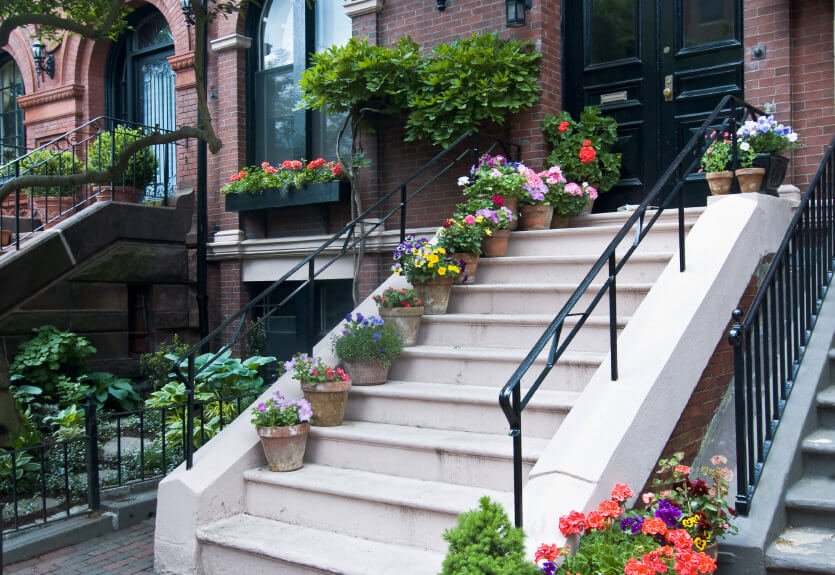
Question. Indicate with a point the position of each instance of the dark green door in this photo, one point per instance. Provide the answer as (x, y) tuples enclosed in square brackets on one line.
[(659, 68)]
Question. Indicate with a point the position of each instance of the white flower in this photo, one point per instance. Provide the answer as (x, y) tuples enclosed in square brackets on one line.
[(463, 181), (745, 146), (792, 137)]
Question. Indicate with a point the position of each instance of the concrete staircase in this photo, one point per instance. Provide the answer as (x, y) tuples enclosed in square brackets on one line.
[(807, 544), (376, 493)]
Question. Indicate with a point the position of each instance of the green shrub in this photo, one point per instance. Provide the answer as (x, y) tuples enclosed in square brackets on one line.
[(111, 391), (105, 149), (51, 163), (156, 366)]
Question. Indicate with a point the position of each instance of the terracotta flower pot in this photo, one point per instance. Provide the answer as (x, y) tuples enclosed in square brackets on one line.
[(495, 246), (536, 217), (719, 182), (366, 372), (405, 321), (558, 221), (512, 204), (328, 401), (470, 267), (127, 194), (750, 179), (5, 237), (589, 206), (284, 446), (435, 294)]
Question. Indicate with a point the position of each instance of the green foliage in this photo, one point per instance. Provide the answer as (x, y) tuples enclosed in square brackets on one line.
[(279, 412), (111, 391), (606, 552), (567, 137), (463, 234), (69, 423), (397, 298), (255, 337), (105, 149), (485, 543), (89, 13), (156, 366), (369, 339), (468, 82), (51, 163)]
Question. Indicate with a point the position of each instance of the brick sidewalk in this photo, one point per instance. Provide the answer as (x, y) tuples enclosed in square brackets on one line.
[(130, 551)]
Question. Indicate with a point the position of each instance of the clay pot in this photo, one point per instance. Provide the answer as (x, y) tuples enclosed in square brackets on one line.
[(405, 321), (495, 246), (589, 206), (536, 217), (512, 204), (470, 267), (719, 182), (5, 237), (558, 221), (366, 372), (750, 179), (328, 401), (284, 446), (435, 294), (127, 194)]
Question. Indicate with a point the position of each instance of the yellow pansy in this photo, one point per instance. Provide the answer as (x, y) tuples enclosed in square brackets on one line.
[(442, 251), (441, 271), (454, 269), (699, 543), (479, 219), (488, 232)]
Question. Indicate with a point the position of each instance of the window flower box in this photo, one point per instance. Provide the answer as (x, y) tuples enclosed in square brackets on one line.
[(310, 194)]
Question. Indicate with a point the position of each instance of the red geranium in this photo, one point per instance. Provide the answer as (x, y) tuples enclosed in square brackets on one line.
[(573, 523), (587, 154)]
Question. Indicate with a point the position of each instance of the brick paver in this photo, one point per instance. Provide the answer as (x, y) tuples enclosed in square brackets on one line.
[(126, 552)]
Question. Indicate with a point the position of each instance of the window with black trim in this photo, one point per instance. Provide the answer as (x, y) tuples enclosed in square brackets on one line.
[(288, 31), (12, 133)]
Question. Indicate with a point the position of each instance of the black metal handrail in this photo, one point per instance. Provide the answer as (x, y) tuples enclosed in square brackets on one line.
[(770, 342), (349, 238), (731, 110), (21, 219)]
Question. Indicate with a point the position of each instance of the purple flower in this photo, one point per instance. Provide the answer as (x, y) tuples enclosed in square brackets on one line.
[(632, 524), (305, 410), (548, 567), (668, 513), (261, 407)]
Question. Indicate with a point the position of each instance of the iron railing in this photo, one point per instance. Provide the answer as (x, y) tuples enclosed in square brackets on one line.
[(770, 341), (26, 211), (350, 236), (730, 112)]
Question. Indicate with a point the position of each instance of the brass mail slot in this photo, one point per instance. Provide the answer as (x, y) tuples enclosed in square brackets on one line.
[(613, 97)]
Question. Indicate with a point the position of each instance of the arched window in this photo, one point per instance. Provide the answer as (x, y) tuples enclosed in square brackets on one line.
[(288, 31), (142, 86), (12, 134)]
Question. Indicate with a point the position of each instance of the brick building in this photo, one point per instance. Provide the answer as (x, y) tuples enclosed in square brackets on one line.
[(776, 53)]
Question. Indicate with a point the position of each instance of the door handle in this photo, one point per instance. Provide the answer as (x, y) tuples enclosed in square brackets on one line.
[(667, 92)]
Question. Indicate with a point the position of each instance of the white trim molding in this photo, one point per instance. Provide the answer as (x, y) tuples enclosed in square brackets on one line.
[(231, 42), (354, 8)]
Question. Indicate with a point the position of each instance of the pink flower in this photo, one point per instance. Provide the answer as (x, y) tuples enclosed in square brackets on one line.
[(469, 220), (264, 165), (495, 174), (622, 492), (268, 169), (648, 498), (682, 469), (590, 190), (573, 189), (718, 460)]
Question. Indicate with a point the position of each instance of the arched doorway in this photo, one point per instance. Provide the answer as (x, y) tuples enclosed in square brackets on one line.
[(12, 133), (141, 86)]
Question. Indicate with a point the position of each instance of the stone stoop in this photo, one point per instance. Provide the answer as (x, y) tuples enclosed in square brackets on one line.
[(807, 544), (376, 493)]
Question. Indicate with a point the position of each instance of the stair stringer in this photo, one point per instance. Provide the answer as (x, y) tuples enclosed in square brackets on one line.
[(617, 429)]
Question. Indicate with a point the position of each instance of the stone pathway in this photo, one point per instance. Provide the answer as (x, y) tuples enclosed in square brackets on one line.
[(126, 552)]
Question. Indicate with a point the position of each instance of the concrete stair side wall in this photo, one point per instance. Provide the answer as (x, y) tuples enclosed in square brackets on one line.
[(617, 429)]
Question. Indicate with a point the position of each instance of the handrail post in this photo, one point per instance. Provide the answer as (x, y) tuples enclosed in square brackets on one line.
[(311, 306), (682, 265), (188, 443), (735, 339), (17, 209), (93, 486), (613, 316), (517, 456), (403, 201)]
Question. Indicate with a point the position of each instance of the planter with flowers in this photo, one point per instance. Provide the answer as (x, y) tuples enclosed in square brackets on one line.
[(497, 176), (402, 309), (749, 177), (462, 236), (430, 269), (283, 427), (323, 386), (292, 183), (716, 163), (367, 347), (536, 211), (770, 141), (495, 218)]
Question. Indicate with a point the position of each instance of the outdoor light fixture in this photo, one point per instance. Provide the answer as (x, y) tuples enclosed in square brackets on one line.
[(44, 63), (441, 5), (188, 12), (516, 11)]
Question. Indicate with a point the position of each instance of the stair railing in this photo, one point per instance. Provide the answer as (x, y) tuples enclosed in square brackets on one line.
[(730, 112), (27, 211), (770, 341), (350, 236)]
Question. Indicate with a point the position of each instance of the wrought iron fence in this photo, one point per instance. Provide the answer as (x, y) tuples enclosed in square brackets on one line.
[(770, 341)]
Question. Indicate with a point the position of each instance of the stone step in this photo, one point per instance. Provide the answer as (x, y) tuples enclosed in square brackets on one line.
[(460, 457), (826, 407), (386, 508), (523, 298), (819, 453), (802, 550), (457, 407), (491, 367), (549, 269), (619, 218), (810, 502), (498, 330), (247, 544)]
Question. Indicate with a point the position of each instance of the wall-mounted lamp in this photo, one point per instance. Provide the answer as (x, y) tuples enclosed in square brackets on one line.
[(441, 5), (516, 11), (44, 63), (188, 12)]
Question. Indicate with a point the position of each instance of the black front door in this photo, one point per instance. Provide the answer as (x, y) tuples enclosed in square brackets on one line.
[(659, 68)]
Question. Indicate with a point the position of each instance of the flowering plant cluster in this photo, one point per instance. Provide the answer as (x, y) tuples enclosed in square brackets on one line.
[(767, 136), (398, 298), (718, 157), (567, 198), (491, 213), (421, 261), (693, 505), (494, 176), (280, 412), (369, 339), (463, 232), (613, 540), (581, 148), (288, 174), (313, 370)]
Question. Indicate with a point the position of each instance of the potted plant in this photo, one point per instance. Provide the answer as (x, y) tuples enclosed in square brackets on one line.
[(141, 169), (536, 211), (290, 183), (283, 427), (430, 269), (496, 176), (401, 309), (462, 236), (568, 199), (367, 347), (715, 163), (50, 202), (770, 140), (496, 219), (750, 178), (323, 386)]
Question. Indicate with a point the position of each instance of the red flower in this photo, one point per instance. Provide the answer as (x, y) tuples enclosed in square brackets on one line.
[(596, 520), (291, 165), (621, 492), (654, 526), (337, 170), (547, 552), (316, 164), (573, 523), (563, 127), (609, 509), (586, 143), (587, 154), (448, 223), (406, 304), (498, 201)]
